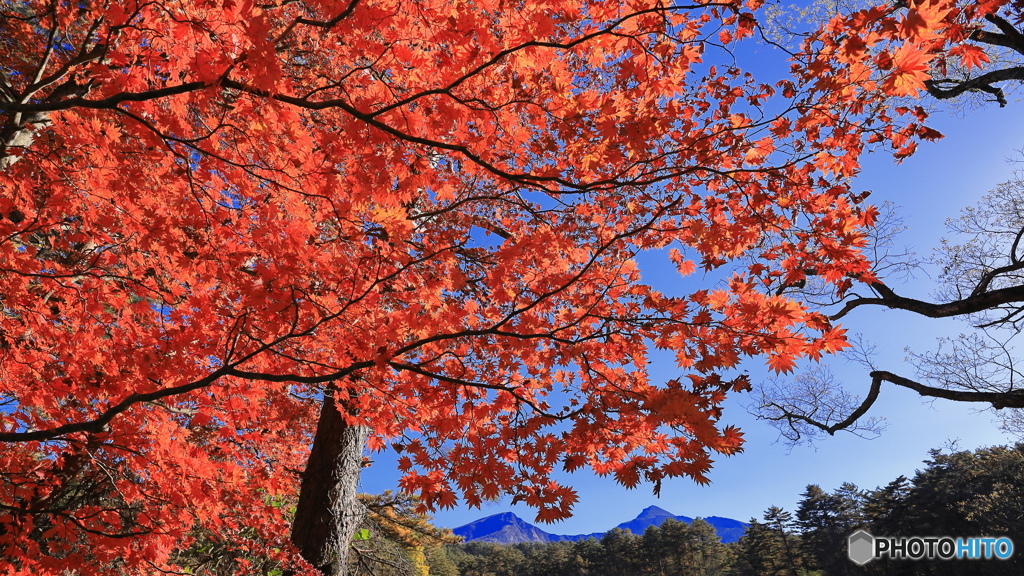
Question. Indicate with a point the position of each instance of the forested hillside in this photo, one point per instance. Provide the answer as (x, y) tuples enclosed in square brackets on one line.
[(958, 494)]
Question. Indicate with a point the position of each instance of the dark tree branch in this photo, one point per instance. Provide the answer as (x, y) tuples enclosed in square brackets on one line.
[(108, 103), (324, 24), (99, 423), (974, 303), (946, 88), (1010, 38), (986, 280), (473, 384), (998, 400), (1007, 37)]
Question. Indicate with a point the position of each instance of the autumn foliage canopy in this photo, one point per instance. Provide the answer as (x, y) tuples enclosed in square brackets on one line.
[(215, 211)]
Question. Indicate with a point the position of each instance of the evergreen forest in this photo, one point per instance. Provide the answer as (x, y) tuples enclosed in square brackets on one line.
[(957, 494)]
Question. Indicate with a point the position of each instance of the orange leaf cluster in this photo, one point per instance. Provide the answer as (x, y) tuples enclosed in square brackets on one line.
[(214, 212), (861, 60)]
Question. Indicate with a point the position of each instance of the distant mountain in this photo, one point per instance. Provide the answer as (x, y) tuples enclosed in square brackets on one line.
[(507, 528), (504, 528), (651, 516)]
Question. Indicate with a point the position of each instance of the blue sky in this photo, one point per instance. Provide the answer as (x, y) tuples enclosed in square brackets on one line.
[(933, 185)]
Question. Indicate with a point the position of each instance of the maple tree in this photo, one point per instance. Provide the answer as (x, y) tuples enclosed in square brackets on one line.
[(234, 230)]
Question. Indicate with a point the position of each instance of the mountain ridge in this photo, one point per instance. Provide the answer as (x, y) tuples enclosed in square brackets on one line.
[(507, 528)]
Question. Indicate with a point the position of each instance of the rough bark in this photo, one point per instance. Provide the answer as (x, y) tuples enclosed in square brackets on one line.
[(328, 512), (17, 134)]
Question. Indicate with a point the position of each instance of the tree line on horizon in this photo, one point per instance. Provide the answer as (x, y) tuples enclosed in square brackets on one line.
[(957, 494)]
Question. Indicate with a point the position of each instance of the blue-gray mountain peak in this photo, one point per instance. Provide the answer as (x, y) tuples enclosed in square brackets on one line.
[(507, 528)]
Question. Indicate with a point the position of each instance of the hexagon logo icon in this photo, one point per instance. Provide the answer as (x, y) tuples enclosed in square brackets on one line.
[(860, 547)]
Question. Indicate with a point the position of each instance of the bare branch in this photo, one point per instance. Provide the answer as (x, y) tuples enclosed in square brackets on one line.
[(1011, 399), (814, 402), (801, 414)]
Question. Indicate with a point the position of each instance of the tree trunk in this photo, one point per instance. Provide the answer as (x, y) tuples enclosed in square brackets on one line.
[(328, 512), (16, 135)]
